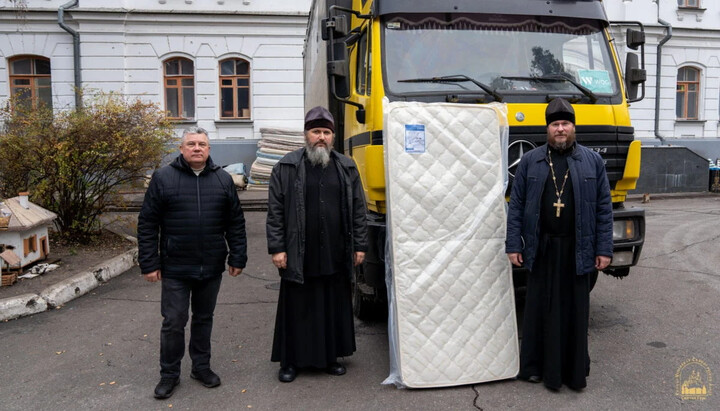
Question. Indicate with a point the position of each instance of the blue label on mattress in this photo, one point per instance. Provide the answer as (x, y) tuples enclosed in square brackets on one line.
[(414, 138)]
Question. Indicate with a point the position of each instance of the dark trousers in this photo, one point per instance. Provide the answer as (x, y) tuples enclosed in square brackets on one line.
[(177, 295)]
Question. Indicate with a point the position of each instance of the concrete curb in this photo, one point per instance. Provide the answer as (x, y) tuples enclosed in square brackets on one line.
[(66, 290), (674, 196), (22, 305)]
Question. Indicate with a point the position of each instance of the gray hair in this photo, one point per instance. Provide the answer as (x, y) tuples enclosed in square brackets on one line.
[(194, 130)]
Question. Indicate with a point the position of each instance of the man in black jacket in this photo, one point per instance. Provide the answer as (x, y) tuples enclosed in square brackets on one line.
[(191, 216), (316, 232), (560, 228)]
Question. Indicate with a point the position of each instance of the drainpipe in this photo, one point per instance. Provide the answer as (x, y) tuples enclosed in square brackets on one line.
[(664, 40), (76, 49)]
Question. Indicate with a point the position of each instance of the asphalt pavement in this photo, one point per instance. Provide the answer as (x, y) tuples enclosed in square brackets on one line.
[(101, 351)]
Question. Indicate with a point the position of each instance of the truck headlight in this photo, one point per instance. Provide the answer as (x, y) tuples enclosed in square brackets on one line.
[(624, 230)]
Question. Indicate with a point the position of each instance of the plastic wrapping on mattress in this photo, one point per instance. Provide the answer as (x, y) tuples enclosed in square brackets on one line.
[(451, 299)]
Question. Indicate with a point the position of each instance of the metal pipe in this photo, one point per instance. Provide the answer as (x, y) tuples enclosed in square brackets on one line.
[(664, 40), (76, 50)]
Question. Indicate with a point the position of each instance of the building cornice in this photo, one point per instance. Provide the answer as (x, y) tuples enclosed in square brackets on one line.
[(158, 12), (89, 21), (195, 19)]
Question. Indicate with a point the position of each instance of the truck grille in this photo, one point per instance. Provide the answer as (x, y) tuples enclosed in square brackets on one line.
[(610, 142)]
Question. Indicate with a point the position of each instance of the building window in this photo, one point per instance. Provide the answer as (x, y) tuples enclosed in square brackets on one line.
[(30, 81), (695, 4), (688, 86), (179, 88), (234, 89)]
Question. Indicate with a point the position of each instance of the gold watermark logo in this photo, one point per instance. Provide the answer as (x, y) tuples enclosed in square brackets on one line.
[(693, 380)]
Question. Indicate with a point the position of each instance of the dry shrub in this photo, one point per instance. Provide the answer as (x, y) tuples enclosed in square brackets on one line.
[(73, 161)]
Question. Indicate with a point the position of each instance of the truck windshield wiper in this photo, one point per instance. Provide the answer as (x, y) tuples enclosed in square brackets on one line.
[(457, 78), (556, 78)]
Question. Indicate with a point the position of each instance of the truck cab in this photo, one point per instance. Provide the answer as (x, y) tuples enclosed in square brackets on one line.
[(523, 53)]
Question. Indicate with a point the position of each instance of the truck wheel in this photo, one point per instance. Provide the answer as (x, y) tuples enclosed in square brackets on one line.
[(592, 279), (366, 306), (361, 305)]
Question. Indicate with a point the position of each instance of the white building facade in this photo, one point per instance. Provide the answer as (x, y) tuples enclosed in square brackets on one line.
[(235, 66), (688, 96), (229, 66)]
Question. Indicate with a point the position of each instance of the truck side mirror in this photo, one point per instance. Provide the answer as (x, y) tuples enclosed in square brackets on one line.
[(634, 76), (334, 30), (635, 38), (338, 70), (337, 24)]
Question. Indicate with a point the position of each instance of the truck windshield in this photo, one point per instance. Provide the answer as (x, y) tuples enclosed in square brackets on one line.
[(513, 55)]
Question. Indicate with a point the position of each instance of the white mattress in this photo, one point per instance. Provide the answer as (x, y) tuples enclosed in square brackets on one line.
[(452, 309)]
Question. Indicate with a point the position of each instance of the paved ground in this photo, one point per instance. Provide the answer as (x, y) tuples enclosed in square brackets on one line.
[(100, 351)]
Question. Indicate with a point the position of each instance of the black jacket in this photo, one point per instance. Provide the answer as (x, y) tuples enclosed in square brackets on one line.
[(286, 211), (193, 219), (593, 207)]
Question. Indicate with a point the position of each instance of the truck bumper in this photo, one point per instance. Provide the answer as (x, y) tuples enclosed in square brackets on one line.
[(628, 239)]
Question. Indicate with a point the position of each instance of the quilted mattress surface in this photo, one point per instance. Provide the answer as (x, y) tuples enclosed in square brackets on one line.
[(452, 309)]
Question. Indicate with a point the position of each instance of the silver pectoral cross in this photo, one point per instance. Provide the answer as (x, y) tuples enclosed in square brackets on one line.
[(558, 205)]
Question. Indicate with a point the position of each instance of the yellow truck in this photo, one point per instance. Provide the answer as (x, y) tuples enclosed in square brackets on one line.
[(522, 53)]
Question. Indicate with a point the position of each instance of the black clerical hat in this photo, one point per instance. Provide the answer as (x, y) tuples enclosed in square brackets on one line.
[(559, 109), (319, 117)]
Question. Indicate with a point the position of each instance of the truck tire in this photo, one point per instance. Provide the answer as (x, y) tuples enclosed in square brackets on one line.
[(367, 305)]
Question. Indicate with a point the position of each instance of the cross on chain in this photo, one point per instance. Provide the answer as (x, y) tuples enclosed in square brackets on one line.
[(558, 192), (558, 205)]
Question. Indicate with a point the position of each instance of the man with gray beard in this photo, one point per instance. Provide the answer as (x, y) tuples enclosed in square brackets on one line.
[(316, 233)]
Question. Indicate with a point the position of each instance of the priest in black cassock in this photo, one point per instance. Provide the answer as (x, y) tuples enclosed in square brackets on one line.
[(316, 232), (560, 228)]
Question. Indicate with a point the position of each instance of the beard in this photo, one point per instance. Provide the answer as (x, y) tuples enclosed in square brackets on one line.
[(562, 146), (318, 154)]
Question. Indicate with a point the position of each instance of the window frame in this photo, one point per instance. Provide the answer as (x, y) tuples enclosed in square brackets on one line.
[(235, 79), (685, 4), (30, 245), (32, 78), (179, 87), (682, 87)]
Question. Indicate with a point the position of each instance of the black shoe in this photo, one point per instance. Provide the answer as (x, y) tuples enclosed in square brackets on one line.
[(335, 369), (207, 377), (287, 374), (533, 379), (166, 387)]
